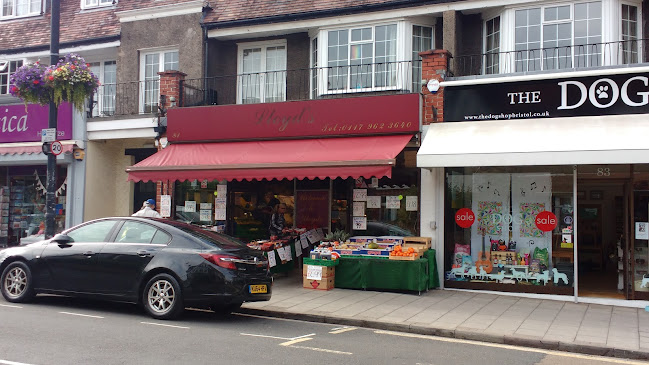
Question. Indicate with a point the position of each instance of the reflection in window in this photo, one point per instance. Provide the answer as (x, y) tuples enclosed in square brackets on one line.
[(93, 232)]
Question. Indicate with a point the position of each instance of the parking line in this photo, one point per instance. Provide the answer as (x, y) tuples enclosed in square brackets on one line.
[(165, 325), (10, 306), (81, 315), (289, 343), (322, 350), (342, 330), (7, 362)]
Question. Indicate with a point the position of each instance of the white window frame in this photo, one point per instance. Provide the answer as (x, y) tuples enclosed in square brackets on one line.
[(92, 4), (99, 110), (484, 43), (640, 36), (262, 69), (6, 65), (39, 11), (142, 87), (403, 55), (416, 84)]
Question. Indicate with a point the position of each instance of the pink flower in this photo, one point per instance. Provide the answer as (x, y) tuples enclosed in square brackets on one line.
[(36, 82), (51, 77)]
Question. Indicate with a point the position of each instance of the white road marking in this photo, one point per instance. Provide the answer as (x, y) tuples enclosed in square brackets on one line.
[(276, 337), (199, 310), (81, 315), (322, 350), (7, 362), (289, 343), (342, 330), (273, 318), (517, 348), (165, 325), (10, 306)]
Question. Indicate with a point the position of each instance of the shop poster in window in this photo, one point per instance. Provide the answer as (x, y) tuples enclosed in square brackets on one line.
[(206, 215), (219, 202), (411, 204), (190, 206), (490, 193), (165, 206), (220, 215), (373, 202), (360, 223), (359, 209), (222, 190), (531, 195), (206, 206), (641, 230), (360, 195), (392, 202)]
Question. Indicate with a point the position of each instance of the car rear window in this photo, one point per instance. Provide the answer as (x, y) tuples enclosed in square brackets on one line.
[(212, 238)]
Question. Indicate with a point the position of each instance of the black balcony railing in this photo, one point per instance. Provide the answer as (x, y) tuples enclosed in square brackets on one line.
[(551, 58), (262, 87), (303, 84)]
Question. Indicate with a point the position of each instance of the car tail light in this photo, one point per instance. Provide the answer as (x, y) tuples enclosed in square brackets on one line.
[(224, 261)]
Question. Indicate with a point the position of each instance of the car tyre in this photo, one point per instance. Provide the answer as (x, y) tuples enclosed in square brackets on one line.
[(16, 283), (162, 298)]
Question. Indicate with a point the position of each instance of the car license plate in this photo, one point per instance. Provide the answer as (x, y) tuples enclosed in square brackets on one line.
[(257, 289)]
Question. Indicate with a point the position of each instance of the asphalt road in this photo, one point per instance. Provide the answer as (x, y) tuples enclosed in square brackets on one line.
[(58, 330)]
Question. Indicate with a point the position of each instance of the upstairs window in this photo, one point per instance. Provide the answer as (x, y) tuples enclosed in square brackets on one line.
[(422, 40), (104, 98), (89, 4), (20, 8), (5, 72), (151, 64), (262, 72), (629, 34)]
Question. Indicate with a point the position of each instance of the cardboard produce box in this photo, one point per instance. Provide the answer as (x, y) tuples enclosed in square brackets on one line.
[(324, 284), (327, 271), (318, 277)]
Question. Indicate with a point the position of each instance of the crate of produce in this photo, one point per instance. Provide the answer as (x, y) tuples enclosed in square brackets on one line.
[(405, 258), (324, 284), (362, 239), (347, 252), (374, 252), (420, 244), (326, 271)]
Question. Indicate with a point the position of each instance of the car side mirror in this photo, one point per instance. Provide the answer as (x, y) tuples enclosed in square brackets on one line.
[(62, 239)]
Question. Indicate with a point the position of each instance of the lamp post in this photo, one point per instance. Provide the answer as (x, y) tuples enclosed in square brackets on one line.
[(50, 197)]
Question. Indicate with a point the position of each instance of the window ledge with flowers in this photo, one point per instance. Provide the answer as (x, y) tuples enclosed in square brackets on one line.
[(70, 80)]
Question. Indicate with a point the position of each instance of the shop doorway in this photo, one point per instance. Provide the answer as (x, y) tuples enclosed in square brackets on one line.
[(602, 210)]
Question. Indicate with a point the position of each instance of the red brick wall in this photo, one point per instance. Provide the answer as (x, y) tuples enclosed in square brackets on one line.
[(170, 86), (434, 66)]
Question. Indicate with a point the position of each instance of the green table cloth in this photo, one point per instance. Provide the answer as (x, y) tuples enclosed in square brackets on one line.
[(363, 272)]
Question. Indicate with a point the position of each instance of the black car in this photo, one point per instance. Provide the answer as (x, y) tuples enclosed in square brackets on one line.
[(163, 264)]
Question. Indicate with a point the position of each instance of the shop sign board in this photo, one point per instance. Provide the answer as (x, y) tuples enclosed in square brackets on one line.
[(619, 94), (20, 124), (341, 117), (312, 209), (464, 217)]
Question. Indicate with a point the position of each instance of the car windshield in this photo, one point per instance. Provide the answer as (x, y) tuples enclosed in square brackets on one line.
[(211, 238)]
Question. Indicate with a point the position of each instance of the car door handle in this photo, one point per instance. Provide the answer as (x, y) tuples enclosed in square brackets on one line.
[(88, 253), (143, 253)]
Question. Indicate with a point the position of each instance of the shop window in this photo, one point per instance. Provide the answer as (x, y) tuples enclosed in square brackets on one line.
[(510, 229), (253, 205)]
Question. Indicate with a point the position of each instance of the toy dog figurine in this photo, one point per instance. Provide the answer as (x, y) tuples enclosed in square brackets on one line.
[(512, 245), (502, 246)]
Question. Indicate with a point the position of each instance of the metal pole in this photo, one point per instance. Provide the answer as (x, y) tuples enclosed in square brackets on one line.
[(575, 263), (50, 198)]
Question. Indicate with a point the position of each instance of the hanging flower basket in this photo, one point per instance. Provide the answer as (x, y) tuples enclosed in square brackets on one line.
[(69, 80)]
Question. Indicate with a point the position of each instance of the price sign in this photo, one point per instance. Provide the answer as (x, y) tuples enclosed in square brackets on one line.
[(360, 223), (314, 272), (57, 148), (373, 202), (392, 202), (411, 203), (360, 195)]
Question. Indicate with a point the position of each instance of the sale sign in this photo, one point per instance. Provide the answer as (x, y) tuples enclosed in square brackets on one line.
[(464, 217), (546, 221)]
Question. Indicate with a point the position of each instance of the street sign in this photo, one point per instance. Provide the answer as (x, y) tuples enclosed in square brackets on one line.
[(57, 148), (48, 135)]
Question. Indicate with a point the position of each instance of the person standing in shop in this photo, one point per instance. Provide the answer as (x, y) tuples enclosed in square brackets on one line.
[(277, 221)]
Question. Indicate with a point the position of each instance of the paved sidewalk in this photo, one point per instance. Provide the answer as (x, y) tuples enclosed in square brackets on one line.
[(556, 325)]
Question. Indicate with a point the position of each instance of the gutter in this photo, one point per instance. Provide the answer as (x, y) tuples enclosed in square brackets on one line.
[(321, 13), (45, 47)]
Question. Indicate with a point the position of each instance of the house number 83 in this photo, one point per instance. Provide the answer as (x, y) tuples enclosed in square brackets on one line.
[(603, 171)]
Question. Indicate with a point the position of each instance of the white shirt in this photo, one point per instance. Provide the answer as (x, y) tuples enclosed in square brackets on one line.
[(147, 212)]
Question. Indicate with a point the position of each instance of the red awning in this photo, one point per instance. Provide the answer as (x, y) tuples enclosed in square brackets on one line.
[(277, 159), (30, 149)]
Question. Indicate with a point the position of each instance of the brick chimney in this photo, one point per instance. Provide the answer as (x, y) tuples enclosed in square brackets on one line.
[(434, 66), (170, 87)]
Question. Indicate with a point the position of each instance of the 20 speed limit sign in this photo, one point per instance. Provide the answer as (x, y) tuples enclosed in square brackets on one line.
[(56, 148)]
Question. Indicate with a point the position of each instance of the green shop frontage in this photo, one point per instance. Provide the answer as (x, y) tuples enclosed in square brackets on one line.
[(332, 169)]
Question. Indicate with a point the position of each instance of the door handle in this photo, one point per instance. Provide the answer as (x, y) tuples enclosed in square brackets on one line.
[(143, 253), (88, 253)]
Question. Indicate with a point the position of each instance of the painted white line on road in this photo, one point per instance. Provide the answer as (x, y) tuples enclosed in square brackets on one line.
[(342, 330), (7, 362), (512, 347), (289, 343), (10, 306), (276, 337), (199, 310), (322, 350), (165, 325), (274, 318), (81, 315)]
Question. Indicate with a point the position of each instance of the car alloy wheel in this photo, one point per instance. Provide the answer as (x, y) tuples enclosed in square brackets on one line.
[(162, 297), (16, 282)]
